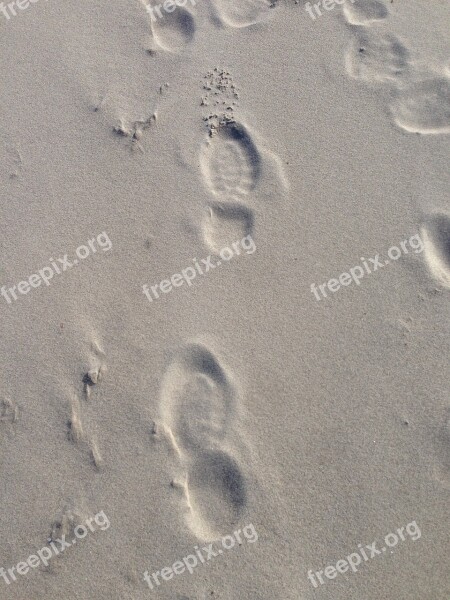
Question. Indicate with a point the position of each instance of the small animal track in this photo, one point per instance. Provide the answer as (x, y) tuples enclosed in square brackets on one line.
[(70, 518), (198, 404), (174, 31), (377, 58), (93, 377), (9, 411), (225, 224), (424, 107), (242, 13), (230, 162), (76, 434), (135, 131), (363, 13), (436, 238)]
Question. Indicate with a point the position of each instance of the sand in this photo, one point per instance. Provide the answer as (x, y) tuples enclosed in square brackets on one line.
[(248, 429)]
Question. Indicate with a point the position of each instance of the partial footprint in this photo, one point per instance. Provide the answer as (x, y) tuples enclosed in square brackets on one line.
[(424, 107), (198, 406), (376, 58), (242, 13), (230, 162), (436, 237), (197, 398), (173, 31), (226, 224), (363, 12), (216, 494)]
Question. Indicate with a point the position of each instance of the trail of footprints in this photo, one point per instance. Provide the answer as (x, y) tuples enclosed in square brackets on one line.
[(422, 105), (198, 408), (423, 100), (198, 399), (173, 31), (199, 402)]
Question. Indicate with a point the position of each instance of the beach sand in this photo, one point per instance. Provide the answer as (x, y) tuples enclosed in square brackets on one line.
[(270, 415)]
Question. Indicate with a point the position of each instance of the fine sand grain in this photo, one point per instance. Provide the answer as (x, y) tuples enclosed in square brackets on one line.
[(277, 426)]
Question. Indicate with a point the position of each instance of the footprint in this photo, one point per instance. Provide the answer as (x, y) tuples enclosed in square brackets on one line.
[(198, 407), (376, 58), (198, 398), (424, 107), (225, 224), (216, 494), (359, 12), (242, 13), (173, 31), (230, 162), (436, 238)]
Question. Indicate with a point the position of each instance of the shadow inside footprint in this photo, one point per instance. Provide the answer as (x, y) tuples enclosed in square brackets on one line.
[(226, 224), (217, 494), (173, 31), (231, 162), (363, 13), (199, 407), (242, 13), (436, 238), (376, 58), (425, 107), (198, 399)]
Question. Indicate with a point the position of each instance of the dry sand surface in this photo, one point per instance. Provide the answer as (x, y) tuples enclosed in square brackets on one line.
[(225, 271)]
